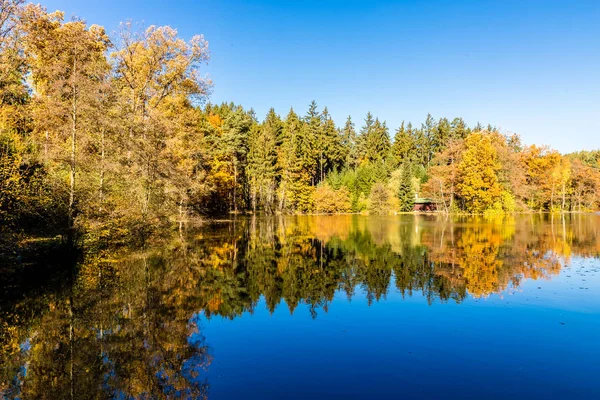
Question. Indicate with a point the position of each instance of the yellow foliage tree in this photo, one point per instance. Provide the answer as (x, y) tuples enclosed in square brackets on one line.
[(478, 185), (330, 201)]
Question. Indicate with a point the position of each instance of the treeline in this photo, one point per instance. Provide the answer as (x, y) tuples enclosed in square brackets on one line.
[(113, 133)]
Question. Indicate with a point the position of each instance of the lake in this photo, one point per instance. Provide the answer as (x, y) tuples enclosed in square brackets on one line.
[(332, 307)]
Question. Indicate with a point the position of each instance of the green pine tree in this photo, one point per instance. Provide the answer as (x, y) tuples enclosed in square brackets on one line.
[(404, 145), (363, 137), (378, 142), (405, 191), (459, 129), (349, 144), (332, 152), (287, 161), (429, 129), (262, 162)]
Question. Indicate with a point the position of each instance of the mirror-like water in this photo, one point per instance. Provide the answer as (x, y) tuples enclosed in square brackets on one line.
[(314, 307)]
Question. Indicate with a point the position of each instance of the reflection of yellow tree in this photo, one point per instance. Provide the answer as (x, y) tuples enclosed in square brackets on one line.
[(478, 249), (489, 254)]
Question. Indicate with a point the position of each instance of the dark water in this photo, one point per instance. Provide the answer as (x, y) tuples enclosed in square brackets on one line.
[(340, 307)]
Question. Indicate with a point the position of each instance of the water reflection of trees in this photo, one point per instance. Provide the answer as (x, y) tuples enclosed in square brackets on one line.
[(126, 324), (307, 259), (123, 329)]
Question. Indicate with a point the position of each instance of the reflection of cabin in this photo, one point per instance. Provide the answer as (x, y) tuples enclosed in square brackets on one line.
[(424, 205)]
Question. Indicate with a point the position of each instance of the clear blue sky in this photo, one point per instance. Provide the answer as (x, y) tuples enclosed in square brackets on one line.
[(530, 67)]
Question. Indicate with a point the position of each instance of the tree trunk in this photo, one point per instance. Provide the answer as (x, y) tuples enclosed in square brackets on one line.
[(235, 187), (133, 111), (321, 162), (46, 148), (254, 200), (443, 198), (562, 207), (72, 163), (102, 154), (71, 348), (282, 198), (181, 214)]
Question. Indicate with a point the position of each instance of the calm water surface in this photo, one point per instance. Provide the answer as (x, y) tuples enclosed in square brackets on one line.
[(333, 307)]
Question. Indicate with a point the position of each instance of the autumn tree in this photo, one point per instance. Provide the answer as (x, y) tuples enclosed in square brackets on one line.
[(152, 68), (544, 176), (379, 200), (585, 186), (444, 175), (330, 201), (68, 65), (14, 100), (13, 65), (559, 179), (478, 186)]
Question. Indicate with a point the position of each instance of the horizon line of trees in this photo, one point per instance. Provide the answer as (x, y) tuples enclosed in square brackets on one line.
[(112, 134)]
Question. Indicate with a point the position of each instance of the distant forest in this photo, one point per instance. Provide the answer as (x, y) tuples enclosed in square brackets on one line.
[(114, 134)]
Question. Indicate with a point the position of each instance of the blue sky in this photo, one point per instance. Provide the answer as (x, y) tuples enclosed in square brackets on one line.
[(530, 67)]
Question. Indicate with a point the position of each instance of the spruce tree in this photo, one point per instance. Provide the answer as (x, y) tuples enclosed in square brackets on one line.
[(459, 129), (429, 129), (287, 162), (378, 142), (332, 150), (363, 137), (236, 128), (404, 145), (312, 150), (442, 133), (349, 144), (262, 160), (405, 191)]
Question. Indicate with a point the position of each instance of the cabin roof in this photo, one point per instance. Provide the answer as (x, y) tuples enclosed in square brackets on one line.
[(424, 200)]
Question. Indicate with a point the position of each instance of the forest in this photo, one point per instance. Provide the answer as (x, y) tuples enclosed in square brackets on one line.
[(115, 135)]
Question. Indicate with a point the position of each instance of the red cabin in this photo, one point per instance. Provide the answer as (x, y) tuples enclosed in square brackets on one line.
[(425, 205)]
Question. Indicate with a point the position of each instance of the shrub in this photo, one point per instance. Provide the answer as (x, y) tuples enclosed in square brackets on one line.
[(379, 200), (330, 201)]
